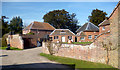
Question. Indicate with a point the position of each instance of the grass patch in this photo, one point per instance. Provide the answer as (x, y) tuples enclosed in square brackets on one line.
[(30, 33), (78, 63), (11, 48), (82, 43)]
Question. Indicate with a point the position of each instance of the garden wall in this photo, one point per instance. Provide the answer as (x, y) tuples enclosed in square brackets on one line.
[(88, 52), (16, 41)]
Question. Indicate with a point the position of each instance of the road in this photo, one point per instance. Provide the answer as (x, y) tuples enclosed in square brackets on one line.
[(29, 58)]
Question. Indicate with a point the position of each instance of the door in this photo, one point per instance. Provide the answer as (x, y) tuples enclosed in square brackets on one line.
[(63, 39)]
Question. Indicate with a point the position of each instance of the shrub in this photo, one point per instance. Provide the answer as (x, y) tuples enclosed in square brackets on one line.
[(4, 42)]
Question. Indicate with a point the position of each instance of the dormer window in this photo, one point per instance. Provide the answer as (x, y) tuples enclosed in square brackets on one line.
[(103, 28)]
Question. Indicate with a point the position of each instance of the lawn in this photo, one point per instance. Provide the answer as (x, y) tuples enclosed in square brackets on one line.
[(11, 48), (82, 43), (78, 63)]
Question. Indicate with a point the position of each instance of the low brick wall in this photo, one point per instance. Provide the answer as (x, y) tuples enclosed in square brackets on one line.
[(93, 52), (88, 52), (16, 41)]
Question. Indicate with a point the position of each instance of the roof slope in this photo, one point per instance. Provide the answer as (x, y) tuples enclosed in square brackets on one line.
[(88, 27), (40, 26), (105, 22), (62, 32), (114, 9)]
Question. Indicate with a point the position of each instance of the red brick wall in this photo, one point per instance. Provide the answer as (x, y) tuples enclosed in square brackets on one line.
[(114, 36), (107, 28), (87, 53), (60, 38), (111, 37), (41, 31), (86, 37), (17, 42)]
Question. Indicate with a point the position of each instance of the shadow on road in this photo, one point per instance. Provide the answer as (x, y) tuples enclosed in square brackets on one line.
[(3, 55), (38, 66)]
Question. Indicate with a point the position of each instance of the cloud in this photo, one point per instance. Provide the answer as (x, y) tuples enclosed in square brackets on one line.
[(60, 0)]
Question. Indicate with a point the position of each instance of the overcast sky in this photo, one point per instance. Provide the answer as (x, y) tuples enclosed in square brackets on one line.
[(34, 11)]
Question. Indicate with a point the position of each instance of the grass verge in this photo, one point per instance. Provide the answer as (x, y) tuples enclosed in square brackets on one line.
[(11, 48), (78, 63), (82, 43)]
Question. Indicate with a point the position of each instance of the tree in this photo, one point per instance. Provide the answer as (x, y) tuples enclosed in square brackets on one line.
[(16, 25), (53, 47), (61, 19), (97, 16), (4, 25), (107, 44)]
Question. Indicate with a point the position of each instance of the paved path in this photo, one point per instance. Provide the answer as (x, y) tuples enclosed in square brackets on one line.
[(29, 58)]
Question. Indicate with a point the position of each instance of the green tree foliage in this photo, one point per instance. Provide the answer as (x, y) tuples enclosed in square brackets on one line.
[(97, 16), (61, 19), (4, 42), (16, 25), (4, 25)]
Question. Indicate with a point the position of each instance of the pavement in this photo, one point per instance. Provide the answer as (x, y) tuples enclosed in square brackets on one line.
[(28, 58)]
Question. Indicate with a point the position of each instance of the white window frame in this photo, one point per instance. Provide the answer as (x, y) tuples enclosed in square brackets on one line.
[(82, 37), (89, 36), (95, 36), (103, 28), (69, 37), (56, 37)]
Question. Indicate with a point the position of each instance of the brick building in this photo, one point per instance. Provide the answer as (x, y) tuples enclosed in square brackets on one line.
[(40, 29), (104, 26), (87, 33), (62, 35)]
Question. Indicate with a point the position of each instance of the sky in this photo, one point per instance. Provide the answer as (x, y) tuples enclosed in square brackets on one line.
[(34, 11)]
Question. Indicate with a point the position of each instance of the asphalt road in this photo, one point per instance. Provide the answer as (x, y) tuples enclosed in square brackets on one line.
[(28, 59)]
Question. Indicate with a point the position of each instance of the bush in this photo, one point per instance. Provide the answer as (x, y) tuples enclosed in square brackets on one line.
[(4, 42)]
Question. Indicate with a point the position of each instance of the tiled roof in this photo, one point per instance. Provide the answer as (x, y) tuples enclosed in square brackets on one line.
[(62, 32), (105, 22), (88, 27), (40, 26)]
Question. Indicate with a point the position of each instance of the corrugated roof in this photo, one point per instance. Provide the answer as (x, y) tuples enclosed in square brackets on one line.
[(62, 32), (105, 22), (40, 25), (88, 27)]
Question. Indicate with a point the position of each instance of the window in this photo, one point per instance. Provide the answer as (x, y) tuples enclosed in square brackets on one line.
[(51, 38), (55, 37), (103, 28), (82, 38), (95, 36), (69, 37), (90, 37)]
